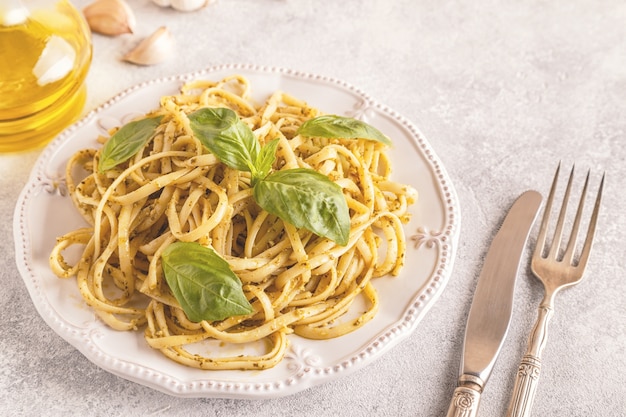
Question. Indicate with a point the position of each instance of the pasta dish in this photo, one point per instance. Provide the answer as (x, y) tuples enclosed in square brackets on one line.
[(217, 219)]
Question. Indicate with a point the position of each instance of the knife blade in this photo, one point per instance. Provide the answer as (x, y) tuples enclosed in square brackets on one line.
[(490, 312)]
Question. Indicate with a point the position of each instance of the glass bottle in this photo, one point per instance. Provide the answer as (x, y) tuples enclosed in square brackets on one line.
[(45, 54)]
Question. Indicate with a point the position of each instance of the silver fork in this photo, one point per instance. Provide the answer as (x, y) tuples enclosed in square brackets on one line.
[(556, 270)]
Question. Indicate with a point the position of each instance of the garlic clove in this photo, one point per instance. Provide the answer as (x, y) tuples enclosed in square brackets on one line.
[(162, 3), (188, 5), (183, 5), (110, 17), (152, 50)]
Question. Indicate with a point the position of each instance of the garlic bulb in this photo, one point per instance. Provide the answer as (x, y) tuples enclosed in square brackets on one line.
[(110, 17), (152, 50), (183, 5)]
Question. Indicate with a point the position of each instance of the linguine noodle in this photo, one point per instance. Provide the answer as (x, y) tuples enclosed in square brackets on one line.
[(175, 190)]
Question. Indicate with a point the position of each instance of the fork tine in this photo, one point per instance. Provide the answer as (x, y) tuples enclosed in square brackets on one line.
[(571, 245), (543, 229), (558, 231), (591, 230)]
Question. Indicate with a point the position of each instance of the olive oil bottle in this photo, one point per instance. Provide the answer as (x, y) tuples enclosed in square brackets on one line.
[(45, 54)]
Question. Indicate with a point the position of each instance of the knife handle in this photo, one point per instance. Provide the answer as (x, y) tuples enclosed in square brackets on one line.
[(529, 369), (466, 398)]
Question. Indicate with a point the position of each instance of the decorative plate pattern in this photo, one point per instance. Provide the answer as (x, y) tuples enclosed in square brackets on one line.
[(44, 211)]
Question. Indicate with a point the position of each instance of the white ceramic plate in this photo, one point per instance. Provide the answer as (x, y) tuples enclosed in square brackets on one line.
[(44, 211)]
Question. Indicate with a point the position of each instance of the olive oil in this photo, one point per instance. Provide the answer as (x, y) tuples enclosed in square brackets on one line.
[(44, 59)]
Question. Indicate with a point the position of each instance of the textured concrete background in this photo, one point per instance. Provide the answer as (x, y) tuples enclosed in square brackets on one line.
[(503, 90)]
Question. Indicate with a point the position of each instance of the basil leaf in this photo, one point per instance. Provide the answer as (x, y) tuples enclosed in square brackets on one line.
[(266, 159), (126, 142), (331, 126), (222, 132), (307, 199), (203, 283)]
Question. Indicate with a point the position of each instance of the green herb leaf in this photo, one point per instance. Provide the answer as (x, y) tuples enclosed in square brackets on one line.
[(266, 158), (126, 142), (331, 126), (308, 199), (203, 283), (222, 132), (302, 197)]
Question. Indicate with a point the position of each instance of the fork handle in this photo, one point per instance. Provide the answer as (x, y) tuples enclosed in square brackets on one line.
[(529, 369), (525, 387)]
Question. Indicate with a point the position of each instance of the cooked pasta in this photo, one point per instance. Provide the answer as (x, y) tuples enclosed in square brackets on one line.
[(174, 190)]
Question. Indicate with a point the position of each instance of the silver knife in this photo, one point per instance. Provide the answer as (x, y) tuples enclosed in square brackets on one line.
[(491, 308)]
